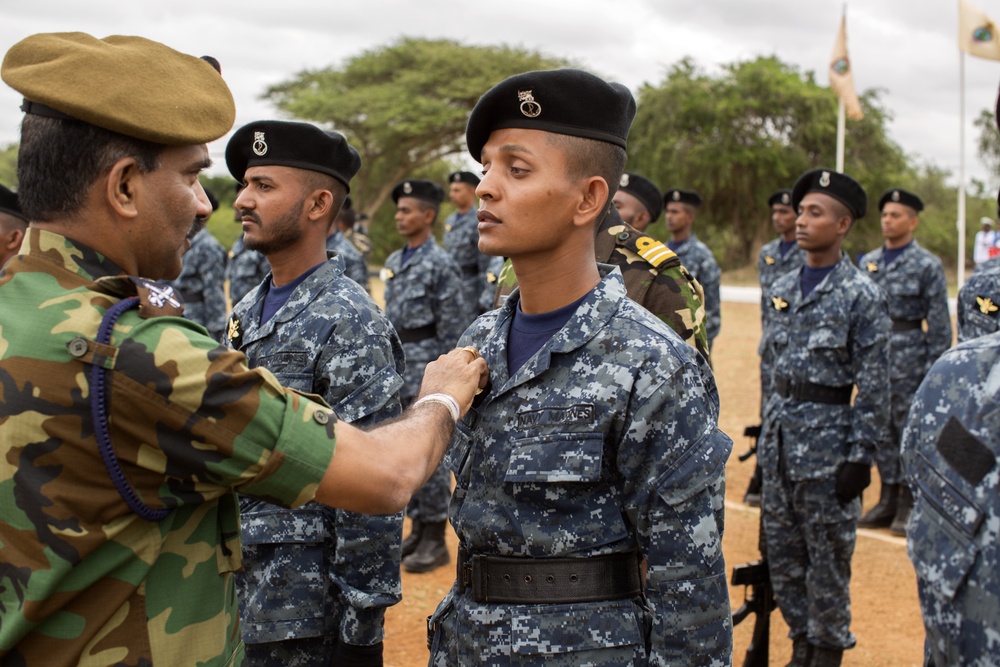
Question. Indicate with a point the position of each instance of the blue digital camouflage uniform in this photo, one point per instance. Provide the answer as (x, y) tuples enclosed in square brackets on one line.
[(837, 336), (424, 303), (202, 284), (487, 300), (245, 270), (700, 262), (85, 580), (979, 302), (355, 266), (771, 265), (338, 570), (950, 452), (461, 240), (917, 291), (603, 442)]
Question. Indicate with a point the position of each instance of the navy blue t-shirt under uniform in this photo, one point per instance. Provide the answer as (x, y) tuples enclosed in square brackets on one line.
[(812, 276), (528, 333)]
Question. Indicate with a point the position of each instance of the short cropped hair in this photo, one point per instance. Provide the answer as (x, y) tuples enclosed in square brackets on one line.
[(315, 180), (590, 157), (59, 159)]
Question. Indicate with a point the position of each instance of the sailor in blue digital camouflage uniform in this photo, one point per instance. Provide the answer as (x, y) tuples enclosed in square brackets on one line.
[(914, 283), (827, 331), (681, 210), (461, 240), (202, 280), (978, 302), (593, 455), (355, 266), (316, 580), (246, 268), (423, 300), (950, 454)]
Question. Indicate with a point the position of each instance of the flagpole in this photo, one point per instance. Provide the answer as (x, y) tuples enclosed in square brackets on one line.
[(961, 169), (841, 123)]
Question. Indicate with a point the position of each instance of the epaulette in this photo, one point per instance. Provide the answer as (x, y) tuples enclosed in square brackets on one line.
[(157, 299), (651, 250)]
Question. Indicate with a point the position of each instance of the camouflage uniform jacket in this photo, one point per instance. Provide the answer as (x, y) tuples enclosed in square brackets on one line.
[(487, 300), (245, 270), (700, 262), (424, 292), (979, 303), (836, 336), (360, 241), (771, 264), (603, 442), (917, 290), (950, 451), (461, 240), (202, 284), (341, 569), (355, 266), (85, 580)]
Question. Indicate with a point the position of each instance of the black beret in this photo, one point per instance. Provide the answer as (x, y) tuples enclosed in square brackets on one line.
[(683, 196), (212, 199), (562, 101), (10, 204), (783, 197), (643, 189), (463, 177), (419, 189), (840, 186), (901, 197), (291, 144), (348, 204)]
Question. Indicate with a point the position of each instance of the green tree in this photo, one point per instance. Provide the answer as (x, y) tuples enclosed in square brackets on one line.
[(988, 145)]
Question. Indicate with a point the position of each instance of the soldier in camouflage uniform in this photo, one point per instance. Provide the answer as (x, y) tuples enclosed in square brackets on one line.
[(119, 534), (827, 330), (317, 331), (461, 240), (979, 302), (245, 270), (202, 280), (355, 266), (914, 283), (949, 455), (487, 300), (682, 207), (423, 300), (13, 225), (594, 451)]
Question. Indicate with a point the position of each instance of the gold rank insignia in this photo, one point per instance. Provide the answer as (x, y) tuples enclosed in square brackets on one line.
[(447, 228), (986, 305), (872, 267), (389, 275), (779, 303), (769, 260), (234, 329), (491, 277), (652, 250)]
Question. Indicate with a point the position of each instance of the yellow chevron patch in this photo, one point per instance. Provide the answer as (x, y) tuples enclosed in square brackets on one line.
[(653, 251)]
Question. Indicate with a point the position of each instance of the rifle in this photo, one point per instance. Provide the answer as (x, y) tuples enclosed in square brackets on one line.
[(752, 495), (755, 577)]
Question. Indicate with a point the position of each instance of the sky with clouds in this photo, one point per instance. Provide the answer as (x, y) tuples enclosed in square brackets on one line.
[(906, 48)]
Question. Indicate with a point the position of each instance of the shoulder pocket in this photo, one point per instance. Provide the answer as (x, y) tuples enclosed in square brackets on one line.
[(370, 397)]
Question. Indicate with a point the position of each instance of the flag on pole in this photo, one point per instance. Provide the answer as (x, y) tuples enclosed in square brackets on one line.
[(977, 35), (841, 76)]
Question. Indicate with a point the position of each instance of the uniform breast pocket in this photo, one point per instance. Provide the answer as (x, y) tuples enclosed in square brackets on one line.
[(416, 307), (829, 344), (292, 368), (981, 322)]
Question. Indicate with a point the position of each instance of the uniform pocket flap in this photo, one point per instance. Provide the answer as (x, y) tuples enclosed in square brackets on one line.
[(370, 397), (568, 630), (698, 467), (556, 457), (827, 338), (280, 526)]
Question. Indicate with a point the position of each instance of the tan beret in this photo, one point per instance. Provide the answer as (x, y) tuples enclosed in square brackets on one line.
[(130, 85)]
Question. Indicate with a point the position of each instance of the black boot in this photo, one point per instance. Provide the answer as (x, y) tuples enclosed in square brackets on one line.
[(432, 552), (884, 512), (801, 652), (825, 657), (902, 517), (413, 539), (752, 496)]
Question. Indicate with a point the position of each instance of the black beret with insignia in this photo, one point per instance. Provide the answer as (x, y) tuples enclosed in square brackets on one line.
[(783, 197), (10, 204), (562, 101), (463, 177), (130, 85), (419, 189), (903, 197), (689, 197), (645, 191), (292, 144), (840, 186)]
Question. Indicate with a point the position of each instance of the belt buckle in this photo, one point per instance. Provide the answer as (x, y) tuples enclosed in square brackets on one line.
[(466, 575)]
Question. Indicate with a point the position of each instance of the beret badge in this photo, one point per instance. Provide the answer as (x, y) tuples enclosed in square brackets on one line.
[(677, 195), (407, 188), (624, 182), (895, 195), (259, 145), (786, 199), (529, 107), (824, 180)]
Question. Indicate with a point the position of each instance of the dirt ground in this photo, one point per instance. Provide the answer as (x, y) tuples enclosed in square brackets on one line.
[(886, 614)]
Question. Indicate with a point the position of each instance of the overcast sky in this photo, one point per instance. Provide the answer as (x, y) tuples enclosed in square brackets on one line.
[(907, 48)]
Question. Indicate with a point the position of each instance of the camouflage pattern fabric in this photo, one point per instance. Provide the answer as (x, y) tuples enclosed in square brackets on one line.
[(355, 266), (340, 570), (361, 242), (603, 442), (917, 291), (246, 269), (461, 240), (950, 452), (700, 262), (84, 579), (493, 271), (771, 264), (836, 336), (202, 284), (979, 303)]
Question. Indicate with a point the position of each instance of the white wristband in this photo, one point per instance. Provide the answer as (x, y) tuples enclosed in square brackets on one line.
[(445, 400)]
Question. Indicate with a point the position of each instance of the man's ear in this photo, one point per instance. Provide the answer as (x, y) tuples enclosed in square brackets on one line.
[(320, 203), (596, 196), (121, 186), (12, 239)]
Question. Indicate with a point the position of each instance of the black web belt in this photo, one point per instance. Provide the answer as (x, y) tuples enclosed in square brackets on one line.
[(906, 325), (816, 393), (470, 270), (418, 334), (191, 297), (549, 580)]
